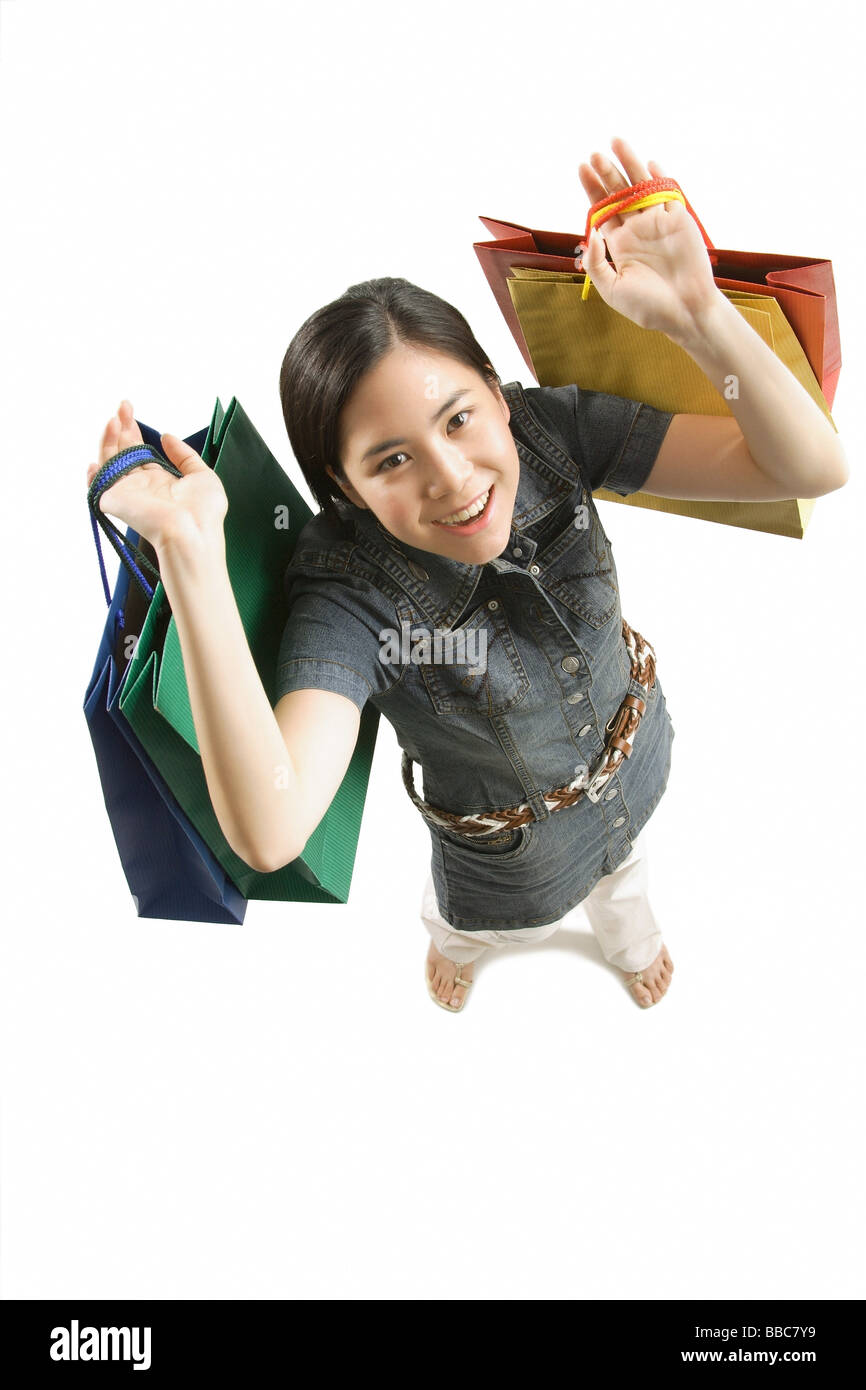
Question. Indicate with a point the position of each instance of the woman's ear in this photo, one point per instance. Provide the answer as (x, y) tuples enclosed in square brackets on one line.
[(346, 488), (503, 404)]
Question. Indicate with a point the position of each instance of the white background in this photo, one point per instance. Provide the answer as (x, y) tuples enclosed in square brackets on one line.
[(278, 1110)]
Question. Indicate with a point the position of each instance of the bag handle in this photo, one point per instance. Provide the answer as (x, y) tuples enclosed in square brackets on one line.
[(631, 199), (119, 464)]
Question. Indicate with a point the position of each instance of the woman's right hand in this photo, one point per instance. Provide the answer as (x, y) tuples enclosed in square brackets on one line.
[(159, 507)]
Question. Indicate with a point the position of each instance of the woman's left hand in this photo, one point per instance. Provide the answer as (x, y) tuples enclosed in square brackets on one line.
[(661, 277)]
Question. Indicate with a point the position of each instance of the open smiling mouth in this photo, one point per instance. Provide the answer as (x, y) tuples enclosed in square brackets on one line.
[(475, 522)]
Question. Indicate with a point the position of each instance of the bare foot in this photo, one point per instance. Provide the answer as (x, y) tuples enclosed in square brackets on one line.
[(441, 973), (648, 985)]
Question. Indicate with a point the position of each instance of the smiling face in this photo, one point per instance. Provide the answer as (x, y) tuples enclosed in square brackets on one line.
[(422, 437)]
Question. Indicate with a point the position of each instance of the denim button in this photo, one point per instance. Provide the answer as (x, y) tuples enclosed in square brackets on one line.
[(575, 699), (620, 820), (493, 604), (535, 569), (585, 730), (570, 663), (608, 795), (517, 550), (417, 570)]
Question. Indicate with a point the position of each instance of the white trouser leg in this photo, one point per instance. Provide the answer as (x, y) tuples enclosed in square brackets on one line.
[(464, 947), (620, 915)]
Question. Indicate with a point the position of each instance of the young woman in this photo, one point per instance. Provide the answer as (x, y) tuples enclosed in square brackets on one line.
[(454, 507)]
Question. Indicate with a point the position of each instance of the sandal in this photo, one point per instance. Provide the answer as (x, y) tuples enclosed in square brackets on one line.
[(458, 980), (637, 979)]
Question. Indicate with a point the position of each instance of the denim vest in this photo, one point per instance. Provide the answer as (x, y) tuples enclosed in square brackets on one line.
[(504, 731)]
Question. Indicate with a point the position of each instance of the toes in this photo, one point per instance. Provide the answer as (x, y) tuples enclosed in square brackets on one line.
[(657, 985), (458, 994), (640, 991), (440, 984), (453, 993)]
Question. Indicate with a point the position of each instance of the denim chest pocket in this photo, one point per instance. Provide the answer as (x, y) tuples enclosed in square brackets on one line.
[(480, 671), (577, 567)]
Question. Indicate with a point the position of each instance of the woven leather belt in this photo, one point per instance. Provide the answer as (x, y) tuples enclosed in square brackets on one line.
[(620, 729)]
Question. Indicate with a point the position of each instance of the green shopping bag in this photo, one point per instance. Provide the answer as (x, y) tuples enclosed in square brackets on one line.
[(265, 516)]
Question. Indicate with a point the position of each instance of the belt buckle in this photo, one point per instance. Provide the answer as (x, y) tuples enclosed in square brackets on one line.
[(590, 788)]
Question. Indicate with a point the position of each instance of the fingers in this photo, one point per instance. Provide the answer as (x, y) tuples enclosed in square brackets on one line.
[(129, 431), (607, 179), (657, 172), (592, 184), (601, 176), (110, 436), (634, 167), (609, 176), (120, 432), (181, 455), (603, 276)]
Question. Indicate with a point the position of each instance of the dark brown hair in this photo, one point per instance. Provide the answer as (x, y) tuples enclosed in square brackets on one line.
[(337, 344)]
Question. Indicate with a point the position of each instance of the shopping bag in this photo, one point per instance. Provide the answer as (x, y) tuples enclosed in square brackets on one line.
[(566, 337), (803, 287), (170, 871), (572, 339), (264, 518)]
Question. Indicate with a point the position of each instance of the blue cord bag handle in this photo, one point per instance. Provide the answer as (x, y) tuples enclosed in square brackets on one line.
[(119, 464)]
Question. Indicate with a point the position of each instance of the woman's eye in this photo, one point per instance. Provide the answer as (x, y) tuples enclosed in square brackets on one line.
[(382, 468)]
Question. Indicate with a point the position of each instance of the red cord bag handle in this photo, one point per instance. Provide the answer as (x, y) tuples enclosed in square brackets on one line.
[(631, 199)]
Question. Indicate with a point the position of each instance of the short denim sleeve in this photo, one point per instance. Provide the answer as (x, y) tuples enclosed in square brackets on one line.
[(332, 638), (614, 440)]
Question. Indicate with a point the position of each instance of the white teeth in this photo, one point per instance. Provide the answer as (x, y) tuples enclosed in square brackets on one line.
[(467, 511)]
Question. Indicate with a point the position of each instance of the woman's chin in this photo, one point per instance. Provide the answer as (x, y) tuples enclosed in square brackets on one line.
[(478, 550)]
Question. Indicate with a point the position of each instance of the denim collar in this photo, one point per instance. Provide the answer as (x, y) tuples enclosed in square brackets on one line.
[(441, 587)]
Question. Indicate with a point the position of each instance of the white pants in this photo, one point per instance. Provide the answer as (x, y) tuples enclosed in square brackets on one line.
[(618, 910)]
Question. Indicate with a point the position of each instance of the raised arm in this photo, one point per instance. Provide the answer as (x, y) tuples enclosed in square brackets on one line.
[(270, 779), (780, 443)]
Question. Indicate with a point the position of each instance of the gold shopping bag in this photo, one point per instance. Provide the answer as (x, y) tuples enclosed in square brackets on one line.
[(571, 339)]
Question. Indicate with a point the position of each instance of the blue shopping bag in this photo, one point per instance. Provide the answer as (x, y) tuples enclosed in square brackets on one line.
[(170, 870)]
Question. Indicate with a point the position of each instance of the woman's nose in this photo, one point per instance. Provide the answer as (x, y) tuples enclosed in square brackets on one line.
[(448, 471)]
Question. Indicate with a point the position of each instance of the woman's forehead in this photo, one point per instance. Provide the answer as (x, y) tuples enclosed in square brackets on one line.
[(387, 402)]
